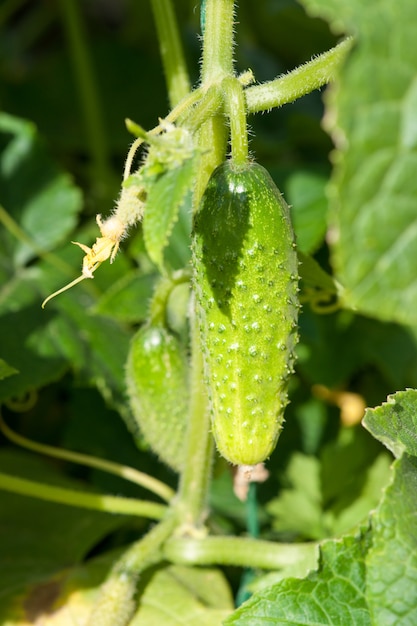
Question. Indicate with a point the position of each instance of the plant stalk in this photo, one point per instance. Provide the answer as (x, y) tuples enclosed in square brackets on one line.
[(217, 58), (123, 471), (173, 60), (235, 106), (301, 81), (217, 62), (198, 449), (71, 497), (239, 552), (116, 604)]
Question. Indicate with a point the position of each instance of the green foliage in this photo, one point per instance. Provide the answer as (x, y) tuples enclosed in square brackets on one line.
[(170, 190), (372, 195), (58, 537), (333, 595), (332, 487)]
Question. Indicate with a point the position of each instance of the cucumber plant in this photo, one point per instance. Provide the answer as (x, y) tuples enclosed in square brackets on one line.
[(216, 388)]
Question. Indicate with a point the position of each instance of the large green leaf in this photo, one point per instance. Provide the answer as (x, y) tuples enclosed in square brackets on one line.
[(333, 596), (395, 422), (372, 115), (305, 193), (184, 596), (128, 298), (392, 559), (43, 346), (41, 199), (23, 339), (171, 595), (40, 539)]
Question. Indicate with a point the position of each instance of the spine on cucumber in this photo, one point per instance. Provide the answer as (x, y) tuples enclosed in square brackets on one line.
[(246, 285)]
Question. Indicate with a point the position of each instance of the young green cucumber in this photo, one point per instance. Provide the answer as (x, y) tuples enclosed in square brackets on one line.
[(246, 285), (156, 376)]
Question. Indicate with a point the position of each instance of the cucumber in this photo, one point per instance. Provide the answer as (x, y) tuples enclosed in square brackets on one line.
[(157, 384), (246, 285)]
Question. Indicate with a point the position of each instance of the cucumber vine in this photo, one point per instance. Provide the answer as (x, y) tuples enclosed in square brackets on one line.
[(179, 157)]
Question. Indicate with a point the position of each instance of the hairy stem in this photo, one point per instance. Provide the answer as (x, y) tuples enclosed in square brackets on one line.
[(198, 447), (240, 552), (236, 111), (70, 497), (217, 62), (116, 603), (128, 473), (218, 40), (301, 81)]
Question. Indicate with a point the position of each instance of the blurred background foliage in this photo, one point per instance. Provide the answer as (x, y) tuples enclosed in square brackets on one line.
[(70, 73)]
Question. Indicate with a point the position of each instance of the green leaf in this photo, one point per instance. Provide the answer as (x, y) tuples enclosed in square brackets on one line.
[(43, 346), (23, 338), (305, 194), (41, 199), (331, 495), (39, 539), (373, 112), (128, 298), (6, 369), (97, 354), (180, 596), (334, 595), (392, 559), (313, 275), (163, 204), (170, 595), (395, 422), (299, 507)]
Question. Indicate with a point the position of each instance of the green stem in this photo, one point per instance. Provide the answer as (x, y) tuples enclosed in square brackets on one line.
[(163, 290), (235, 106), (123, 471), (172, 54), (70, 497), (299, 82), (198, 449), (239, 552), (217, 60), (88, 91), (213, 137), (208, 106), (116, 604)]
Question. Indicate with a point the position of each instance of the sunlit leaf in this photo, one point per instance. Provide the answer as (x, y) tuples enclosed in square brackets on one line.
[(163, 206), (372, 115)]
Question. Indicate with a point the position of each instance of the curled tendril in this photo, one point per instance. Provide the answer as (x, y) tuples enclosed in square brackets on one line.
[(105, 247), (320, 301)]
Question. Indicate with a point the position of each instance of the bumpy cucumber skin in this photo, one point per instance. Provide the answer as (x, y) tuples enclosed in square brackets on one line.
[(156, 377), (246, 285)]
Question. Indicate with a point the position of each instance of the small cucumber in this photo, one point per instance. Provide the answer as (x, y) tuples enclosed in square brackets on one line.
[(156, 376), (246, 285)]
